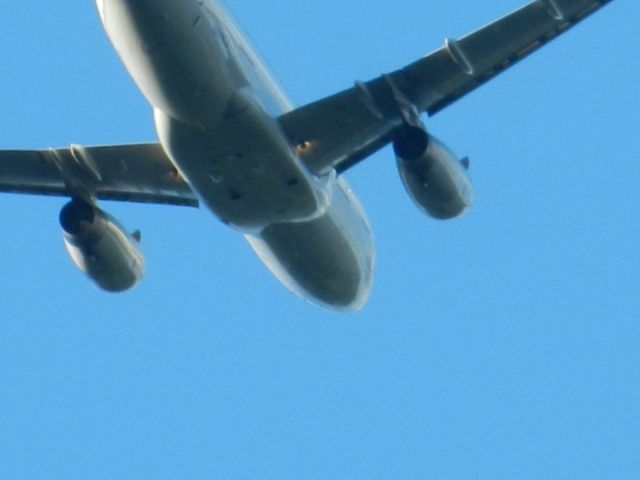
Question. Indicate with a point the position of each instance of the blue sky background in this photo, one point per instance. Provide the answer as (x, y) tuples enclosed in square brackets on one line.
[(502, 345)]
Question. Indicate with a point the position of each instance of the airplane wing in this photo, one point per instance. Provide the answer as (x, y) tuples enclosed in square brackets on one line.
[(136, 173), (339, 131)]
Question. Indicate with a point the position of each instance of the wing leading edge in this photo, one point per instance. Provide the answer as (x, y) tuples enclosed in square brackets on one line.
[(339, 131), (462, 65), (134, 173), (333, 133)]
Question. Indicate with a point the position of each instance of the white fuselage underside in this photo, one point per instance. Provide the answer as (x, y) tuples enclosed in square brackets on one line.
[(215, 108)]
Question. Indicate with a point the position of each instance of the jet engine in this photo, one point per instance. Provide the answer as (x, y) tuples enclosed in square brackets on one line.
[(100, 247), (434, 178)]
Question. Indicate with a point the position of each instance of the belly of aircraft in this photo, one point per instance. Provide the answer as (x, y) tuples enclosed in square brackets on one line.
[(330, 259), (176, 53), (309, 231), (243, 169)]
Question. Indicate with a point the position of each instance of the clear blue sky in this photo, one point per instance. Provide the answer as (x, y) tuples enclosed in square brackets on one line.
[(503, 345)]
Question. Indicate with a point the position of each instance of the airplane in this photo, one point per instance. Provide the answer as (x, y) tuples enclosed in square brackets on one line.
[(229, 139)]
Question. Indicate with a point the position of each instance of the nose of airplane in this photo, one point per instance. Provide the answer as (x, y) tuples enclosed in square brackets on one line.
[(113, 10), (100, 5), (169, 53), (147, 20)]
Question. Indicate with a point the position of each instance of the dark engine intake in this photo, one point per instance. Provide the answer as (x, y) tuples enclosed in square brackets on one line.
[(100, 247), (434, 178)]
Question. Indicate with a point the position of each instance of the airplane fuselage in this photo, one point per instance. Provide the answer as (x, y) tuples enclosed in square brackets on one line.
[(230, 140), (215, 108)]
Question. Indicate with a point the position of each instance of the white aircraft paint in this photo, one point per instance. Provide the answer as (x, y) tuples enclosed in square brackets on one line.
[(215, 107)]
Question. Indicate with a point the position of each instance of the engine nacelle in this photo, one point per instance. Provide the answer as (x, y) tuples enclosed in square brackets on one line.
[(434, 178), (100, 247)]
